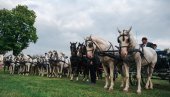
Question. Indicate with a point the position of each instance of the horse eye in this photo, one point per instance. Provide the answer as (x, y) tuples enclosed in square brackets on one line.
[(90, 45)]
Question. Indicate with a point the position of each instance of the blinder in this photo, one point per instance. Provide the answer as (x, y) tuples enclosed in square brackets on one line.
[(123, 38), (90, 45)]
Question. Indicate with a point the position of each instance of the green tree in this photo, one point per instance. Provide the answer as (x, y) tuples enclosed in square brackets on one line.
[(17, 29)]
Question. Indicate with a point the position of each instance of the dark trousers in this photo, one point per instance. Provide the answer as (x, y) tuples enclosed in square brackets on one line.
[(93, 73)]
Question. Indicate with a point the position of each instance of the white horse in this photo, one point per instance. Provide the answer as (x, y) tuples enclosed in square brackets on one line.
[(34, 66), (53, 63), (12, 64), (28, 62), (63, 64), (127, 42), (94, 43)]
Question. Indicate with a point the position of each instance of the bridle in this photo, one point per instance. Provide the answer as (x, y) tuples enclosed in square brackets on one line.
[(123, 35), (73, 49), (92, 42), (82, 49)]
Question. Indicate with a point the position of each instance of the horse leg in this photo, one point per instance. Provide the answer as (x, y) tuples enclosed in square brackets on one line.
[(84, 72), (148, 78), (88, 73), (122, 76), (126, 77), (68, 71), (106, 76), (23, 69), (19, 69), (26, 69), (13, 71), (150, 75), (39, 70), (97, 74), (71, 75), (29, 65), (4, 68), (41, 74), (111, 76), (139, 75), (61, 70), (10, 69), (77, 73), (47, 69), (52, 71), (56, 71)]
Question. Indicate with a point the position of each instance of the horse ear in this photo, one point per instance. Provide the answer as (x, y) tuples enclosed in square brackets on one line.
[(118, 30), (76, 43), (90, 38), (129, 30), (70, 43)]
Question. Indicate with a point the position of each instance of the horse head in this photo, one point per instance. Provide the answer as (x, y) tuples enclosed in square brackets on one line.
[(73, 48), (124, 39)]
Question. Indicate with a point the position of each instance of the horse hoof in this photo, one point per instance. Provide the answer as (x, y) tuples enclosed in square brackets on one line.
[(105, 87), (151, 88), (125, 90), (110, 89), (146, 88), (121, 86), (138, 92)]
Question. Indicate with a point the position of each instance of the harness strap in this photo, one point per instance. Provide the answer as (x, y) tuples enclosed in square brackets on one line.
[(141, 53), (111, 46)]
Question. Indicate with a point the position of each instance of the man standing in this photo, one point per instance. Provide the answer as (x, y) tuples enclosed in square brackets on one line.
[(93, 64)]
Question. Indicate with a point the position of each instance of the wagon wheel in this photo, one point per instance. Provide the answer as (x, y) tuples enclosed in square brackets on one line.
[(144, 78), (132, 77), (144, 75)]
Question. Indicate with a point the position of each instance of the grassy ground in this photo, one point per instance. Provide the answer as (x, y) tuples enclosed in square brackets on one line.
[(34, 86)]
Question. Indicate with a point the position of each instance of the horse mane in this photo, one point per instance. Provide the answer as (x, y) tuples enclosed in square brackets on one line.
[(100, 41), (133, 42)]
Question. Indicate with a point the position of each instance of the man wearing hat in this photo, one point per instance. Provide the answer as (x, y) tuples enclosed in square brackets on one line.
[(145, 43)]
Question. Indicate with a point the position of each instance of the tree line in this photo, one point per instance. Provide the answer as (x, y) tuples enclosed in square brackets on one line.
[(17, 29)]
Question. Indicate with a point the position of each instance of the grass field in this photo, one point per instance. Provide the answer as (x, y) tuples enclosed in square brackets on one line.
[(34, 86)]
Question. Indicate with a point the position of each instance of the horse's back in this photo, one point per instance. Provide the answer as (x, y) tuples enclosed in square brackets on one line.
[(150, 55)]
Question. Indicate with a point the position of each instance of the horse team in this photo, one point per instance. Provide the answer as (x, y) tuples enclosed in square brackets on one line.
[(54, 64)]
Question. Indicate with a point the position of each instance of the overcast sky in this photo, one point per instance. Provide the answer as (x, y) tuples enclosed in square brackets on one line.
[(60, 21)]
